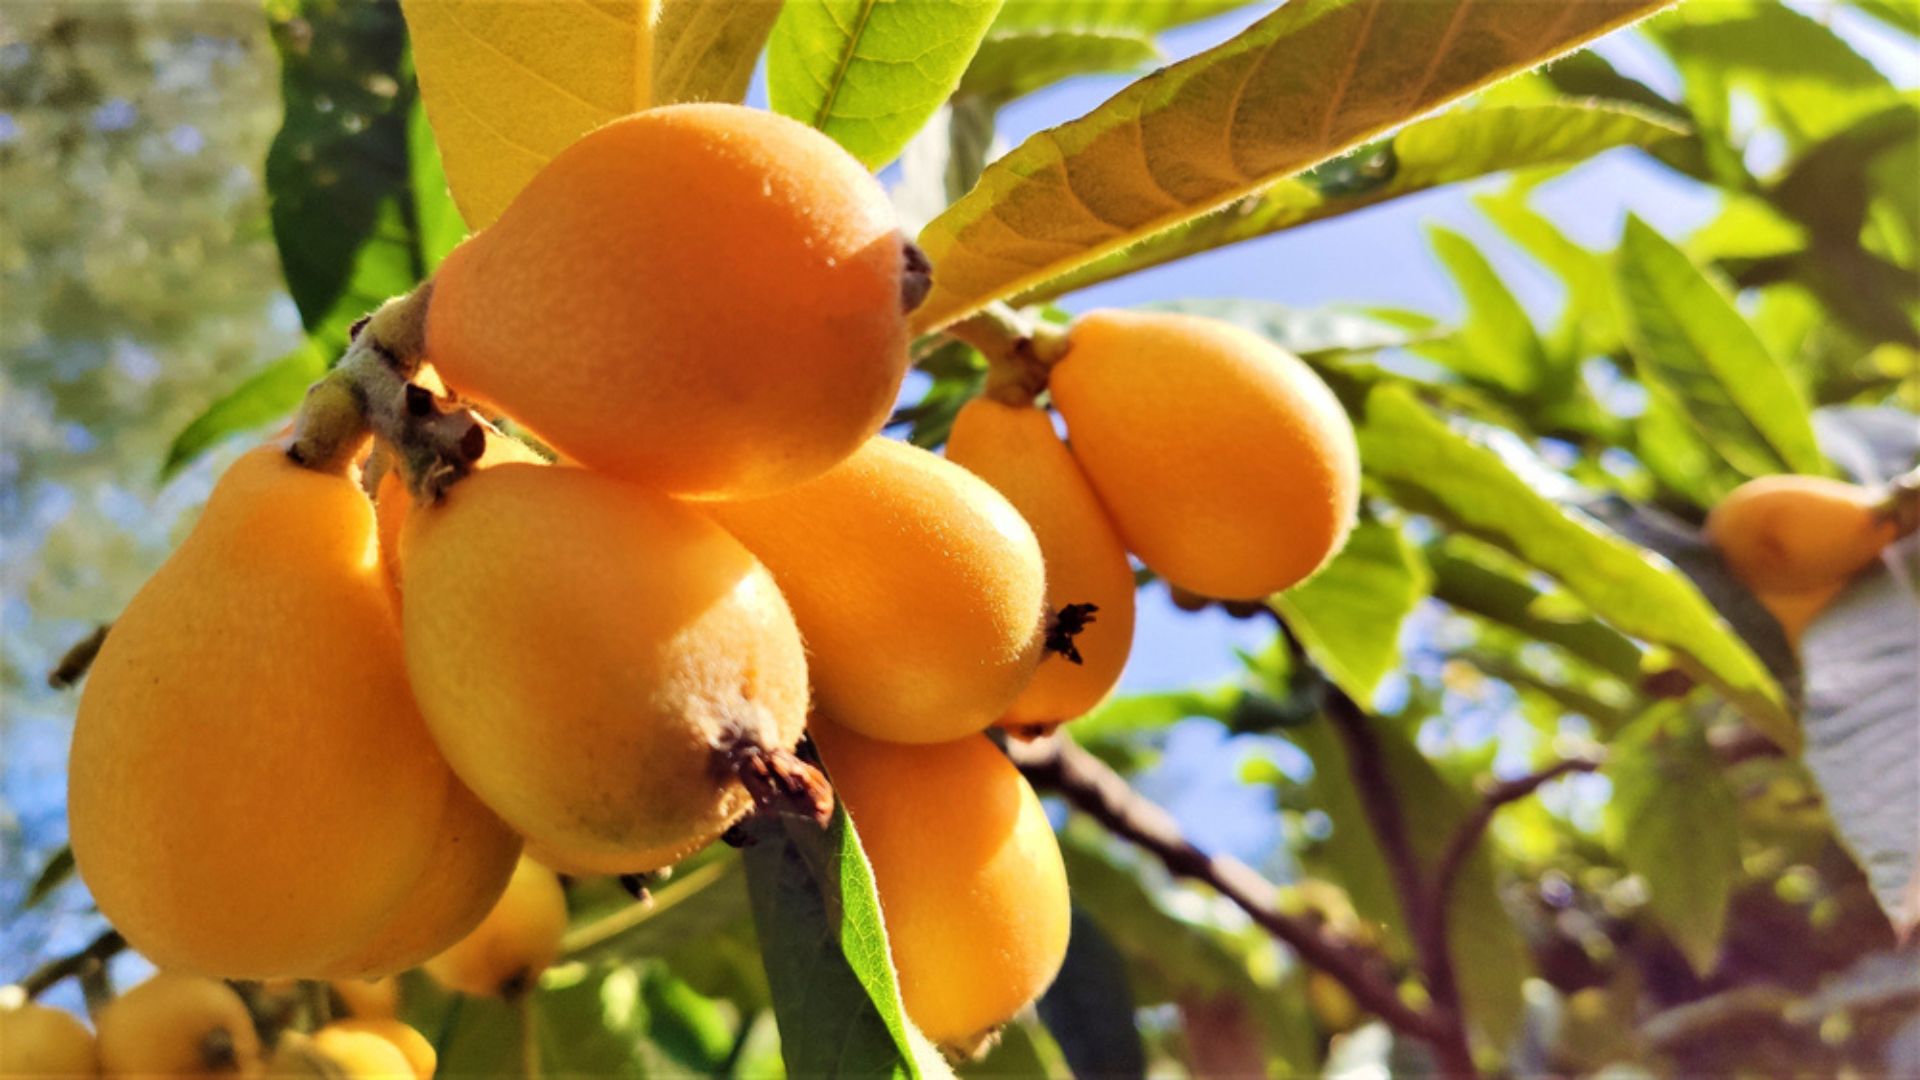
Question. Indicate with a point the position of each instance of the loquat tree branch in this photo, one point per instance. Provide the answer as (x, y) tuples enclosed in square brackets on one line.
[(1057, 765), (90, 958), (1465, 838), (1452, 1049)]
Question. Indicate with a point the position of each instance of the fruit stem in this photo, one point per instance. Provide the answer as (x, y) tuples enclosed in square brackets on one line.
[(1901, 507), (433, 443), (778, 781), (1019, 350)]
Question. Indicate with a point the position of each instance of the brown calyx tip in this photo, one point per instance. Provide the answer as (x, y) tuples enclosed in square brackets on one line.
[(218, 1052), (973, 1047), (1064, 626), (916, 276), (777, 780), (75, 661)]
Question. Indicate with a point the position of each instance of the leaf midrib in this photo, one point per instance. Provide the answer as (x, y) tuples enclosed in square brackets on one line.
[(847, 56)]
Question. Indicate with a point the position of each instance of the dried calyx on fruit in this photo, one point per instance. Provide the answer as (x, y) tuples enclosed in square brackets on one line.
[(605, 667)]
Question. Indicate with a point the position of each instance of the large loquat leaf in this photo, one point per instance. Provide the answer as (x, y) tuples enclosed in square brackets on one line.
[(870, 73), (1470, 487), (1299, 86), (1446, 149), (508, 85)]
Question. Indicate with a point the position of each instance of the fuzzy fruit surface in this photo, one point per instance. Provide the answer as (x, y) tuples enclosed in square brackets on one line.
[(918, 587), (704, 298), (970, 879), (413, 1046), (1794, 534), (1227, 465), (581, 647), (1014, 448), (392, 502), (1795, 611), (519, 938), (37, 1041), (472, 857), (251, 789), (178, 1025)]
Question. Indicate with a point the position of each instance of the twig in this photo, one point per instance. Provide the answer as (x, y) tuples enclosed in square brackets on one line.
[(1439, 902), (97, 952), (1057, 765), (1453, 1051), (1467, 836)]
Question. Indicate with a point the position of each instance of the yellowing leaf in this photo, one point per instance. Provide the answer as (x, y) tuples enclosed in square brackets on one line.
[(508, 84), (1304, 83)]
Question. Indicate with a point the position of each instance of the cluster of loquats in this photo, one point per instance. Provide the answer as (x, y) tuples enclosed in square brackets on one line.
[(339, 736)]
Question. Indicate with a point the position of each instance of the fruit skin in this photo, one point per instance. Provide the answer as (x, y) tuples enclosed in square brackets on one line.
[(920, 590), (473, 855), (37, 1041), (392, 502), (1795, 611), (414, 1049), (375, 999), (581, 647), (704, 298), (1797, 534), (1014, 448), (519, 938), (178, 1025), (1227, 465), (251, 788), (969, 874)]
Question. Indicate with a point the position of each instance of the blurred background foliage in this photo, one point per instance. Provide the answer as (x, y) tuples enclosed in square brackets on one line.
[(1692, 908)]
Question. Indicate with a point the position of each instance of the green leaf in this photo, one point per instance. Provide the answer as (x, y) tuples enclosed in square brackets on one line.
[(1805, 75), (1589, 324), (340, 173), (268, 395), (1089, 1006), (1496, 342), (436, 220), (1475, 579), (1902, 14), (1692, 347), (706, 51), (1432, 469), (1860, 656), (825, 950), (871, 72), (1490, 957), (1674, 822), (1299, 86), (1309, 333), (691, 906), (1460, 145), (1012, 64), (1348, 615), (1035, 43), (55, 872)]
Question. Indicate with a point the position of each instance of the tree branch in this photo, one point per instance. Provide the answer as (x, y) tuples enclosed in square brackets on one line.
[(1057, 765), (1453, 1052), (1467, 836), (96, 953)]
